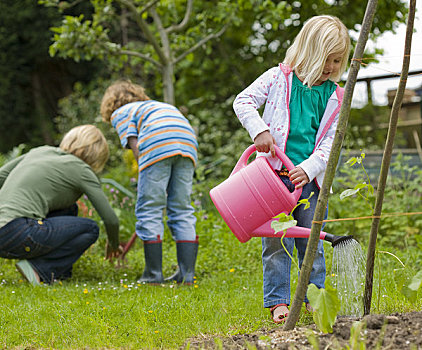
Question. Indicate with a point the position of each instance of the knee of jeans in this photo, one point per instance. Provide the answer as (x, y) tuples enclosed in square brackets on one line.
[(92, 235), (96, 231)]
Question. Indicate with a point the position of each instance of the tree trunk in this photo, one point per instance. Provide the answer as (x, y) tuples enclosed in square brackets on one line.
[(168, 83), (305, 271), (388, 150)]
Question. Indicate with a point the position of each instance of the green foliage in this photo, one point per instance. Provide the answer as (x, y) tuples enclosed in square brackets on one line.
[(206, 80), (326, 305), (402, 195), (17, 107), (83, 107), (365, 189), (14, 153), (31, 82), (364, 131), (85, 40)]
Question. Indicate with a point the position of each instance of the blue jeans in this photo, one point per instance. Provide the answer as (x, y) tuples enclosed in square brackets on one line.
[(166, 184), (276, 262), (52, 245)]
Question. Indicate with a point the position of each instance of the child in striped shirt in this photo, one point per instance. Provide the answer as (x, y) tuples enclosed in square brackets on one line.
[(165, 146)]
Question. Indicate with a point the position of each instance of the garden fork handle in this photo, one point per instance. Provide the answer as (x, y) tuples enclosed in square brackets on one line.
[(128, 245)]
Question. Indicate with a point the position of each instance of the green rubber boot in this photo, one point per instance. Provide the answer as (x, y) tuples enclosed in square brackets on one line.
[(187, 252), (153, 272)]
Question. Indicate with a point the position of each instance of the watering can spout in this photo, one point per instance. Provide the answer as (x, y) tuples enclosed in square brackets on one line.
[(297, 232), (334, 240)]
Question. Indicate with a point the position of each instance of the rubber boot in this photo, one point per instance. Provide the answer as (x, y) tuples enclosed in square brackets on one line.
[(187, 252), (153, 263)]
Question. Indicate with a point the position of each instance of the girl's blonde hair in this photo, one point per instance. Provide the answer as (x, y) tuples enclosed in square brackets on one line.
[(320, 37), (88, 143), (118, 94)]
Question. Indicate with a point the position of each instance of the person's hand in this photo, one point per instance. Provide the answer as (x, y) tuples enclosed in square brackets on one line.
[(298, 177), (132, 142), (264, 142), (111, 253)]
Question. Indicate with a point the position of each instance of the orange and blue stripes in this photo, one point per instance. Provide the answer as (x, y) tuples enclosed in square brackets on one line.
[(161, 130)]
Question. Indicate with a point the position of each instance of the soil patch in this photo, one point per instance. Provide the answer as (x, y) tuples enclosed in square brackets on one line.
[(397, 331)]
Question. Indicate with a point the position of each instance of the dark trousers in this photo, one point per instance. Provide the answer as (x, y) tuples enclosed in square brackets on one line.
[(52, 245)]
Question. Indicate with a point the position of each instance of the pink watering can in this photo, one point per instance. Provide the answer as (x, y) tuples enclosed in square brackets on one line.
[(253, 194)]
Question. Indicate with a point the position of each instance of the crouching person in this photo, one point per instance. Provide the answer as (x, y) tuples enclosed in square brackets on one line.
[(38, 212)]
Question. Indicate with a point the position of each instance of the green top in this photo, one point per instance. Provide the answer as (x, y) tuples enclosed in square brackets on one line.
[(46, 179), (307, 106)]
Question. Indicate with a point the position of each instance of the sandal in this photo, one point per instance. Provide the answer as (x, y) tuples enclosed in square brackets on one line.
[(282, 317)]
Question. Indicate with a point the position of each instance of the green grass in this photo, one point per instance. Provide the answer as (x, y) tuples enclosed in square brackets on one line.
[(103, 307), (119, 313), (114, 315)]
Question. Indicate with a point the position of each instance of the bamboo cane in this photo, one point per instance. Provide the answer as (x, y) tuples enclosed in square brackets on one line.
[(306, 268), (386, 160)]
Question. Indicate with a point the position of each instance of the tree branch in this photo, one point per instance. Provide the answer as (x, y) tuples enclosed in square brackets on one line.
[(140, 55), (202, 42), (144, 27), (163, 35), (182, 25), (148, 6)]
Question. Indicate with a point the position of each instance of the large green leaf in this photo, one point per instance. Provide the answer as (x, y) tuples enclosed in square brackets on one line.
[(326, 305)]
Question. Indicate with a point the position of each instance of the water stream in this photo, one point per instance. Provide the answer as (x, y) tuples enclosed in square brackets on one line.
[(349, 269)]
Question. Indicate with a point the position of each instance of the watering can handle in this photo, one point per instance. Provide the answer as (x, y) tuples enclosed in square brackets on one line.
[(243, 160)]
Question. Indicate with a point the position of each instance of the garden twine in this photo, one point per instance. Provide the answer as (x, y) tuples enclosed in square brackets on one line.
[(368, 217)]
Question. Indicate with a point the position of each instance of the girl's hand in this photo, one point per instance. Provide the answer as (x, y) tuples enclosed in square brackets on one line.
[(264, 142), (298, 177)]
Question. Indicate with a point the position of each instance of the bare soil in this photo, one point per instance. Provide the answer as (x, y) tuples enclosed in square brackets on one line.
[(397, 331)]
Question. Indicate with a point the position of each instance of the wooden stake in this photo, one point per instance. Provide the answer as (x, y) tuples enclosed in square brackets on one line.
[(388, 150)]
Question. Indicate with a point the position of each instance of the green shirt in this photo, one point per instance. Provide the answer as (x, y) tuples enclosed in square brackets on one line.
[(46, 179), (307, 106)]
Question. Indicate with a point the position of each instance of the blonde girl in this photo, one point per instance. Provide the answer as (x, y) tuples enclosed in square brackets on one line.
[(302, 103)]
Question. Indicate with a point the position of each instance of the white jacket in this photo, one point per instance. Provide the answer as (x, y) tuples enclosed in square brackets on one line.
[(273, 88)]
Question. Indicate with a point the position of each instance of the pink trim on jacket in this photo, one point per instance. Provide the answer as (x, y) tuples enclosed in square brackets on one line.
[(286, 71)]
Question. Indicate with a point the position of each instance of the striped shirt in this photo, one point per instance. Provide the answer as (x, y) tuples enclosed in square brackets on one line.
[(162, 131)]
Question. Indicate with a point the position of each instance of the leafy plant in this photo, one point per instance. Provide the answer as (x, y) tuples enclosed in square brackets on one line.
[(364, 189), (285, 221), (326, 305)]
